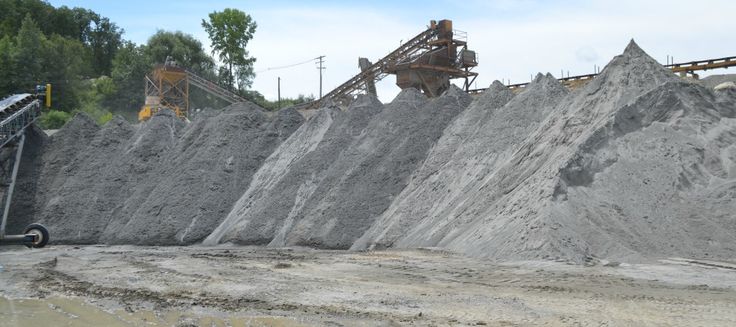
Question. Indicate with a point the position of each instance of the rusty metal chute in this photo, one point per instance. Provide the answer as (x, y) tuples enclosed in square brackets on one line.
[(426, 62)]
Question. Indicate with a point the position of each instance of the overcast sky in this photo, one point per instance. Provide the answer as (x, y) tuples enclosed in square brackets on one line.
[(513, 38)]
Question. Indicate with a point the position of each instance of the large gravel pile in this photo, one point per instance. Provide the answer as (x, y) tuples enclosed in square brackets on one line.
[(205, 173), (161, 182), (281, 188), (470, 150), (636, 164)]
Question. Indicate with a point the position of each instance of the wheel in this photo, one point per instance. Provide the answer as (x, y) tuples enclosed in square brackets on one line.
[(42, 235)]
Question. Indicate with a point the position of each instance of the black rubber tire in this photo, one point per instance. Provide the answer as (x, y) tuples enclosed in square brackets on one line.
[(42, 231)]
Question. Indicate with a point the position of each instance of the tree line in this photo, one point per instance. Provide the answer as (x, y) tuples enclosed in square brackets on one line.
[(93, 69)]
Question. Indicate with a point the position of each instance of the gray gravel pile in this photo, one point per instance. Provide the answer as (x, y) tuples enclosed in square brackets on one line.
[(479, 141), (374, 169), (714, 80), (160, 182), (23, 206), (102, 176), (94, 189), (288, 180), (204, 173), (638, 163)]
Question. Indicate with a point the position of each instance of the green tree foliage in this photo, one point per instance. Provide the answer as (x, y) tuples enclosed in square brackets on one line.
[(230, 31), (258, 98), (104, 39), (100, 37), (186, 50), (96, 90), (28, 57), (133, 62), (14, 12), (63, 67), (129, 68), (54, 119), (33, 59), (7, 65)]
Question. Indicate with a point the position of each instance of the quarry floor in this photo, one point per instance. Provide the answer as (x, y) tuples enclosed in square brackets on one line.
[(249, 286)]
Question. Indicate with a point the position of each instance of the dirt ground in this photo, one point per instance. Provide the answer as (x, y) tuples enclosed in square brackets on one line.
[(248, 286)]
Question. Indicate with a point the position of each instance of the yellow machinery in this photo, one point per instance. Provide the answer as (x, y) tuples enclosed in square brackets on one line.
[(168, 87)]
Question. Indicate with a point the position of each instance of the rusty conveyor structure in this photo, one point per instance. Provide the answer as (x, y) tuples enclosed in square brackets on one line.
[(17, 113), (424, 62), (684, 69)]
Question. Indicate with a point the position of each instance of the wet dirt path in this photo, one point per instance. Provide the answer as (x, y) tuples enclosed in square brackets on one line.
[(234, 286)]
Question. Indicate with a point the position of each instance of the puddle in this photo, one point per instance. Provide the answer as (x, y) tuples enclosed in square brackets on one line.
[(76, 312)]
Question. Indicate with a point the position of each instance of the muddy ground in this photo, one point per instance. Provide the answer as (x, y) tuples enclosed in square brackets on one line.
[(248, 286)]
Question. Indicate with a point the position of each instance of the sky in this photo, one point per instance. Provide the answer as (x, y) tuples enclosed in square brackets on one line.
[(514, 39)]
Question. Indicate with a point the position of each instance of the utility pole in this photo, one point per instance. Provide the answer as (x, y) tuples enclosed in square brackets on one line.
[(279, 92), (321, 68)]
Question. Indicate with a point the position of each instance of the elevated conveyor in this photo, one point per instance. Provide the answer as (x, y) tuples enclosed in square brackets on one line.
[(426, 62), (684, 69), (17, 113)]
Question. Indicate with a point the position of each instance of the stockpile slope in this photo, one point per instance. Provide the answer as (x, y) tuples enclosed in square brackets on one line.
[(23, 205), (102, 175), (480, 140), (159, 182), (282, 187), (202, 176), (374, 169), (636, 164)]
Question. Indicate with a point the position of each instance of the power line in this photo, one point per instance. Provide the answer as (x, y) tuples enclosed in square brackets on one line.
[(287, 66)]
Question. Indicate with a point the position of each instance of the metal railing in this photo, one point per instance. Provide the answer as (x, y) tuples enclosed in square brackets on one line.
[(377, 71), (213, 88), (17, 119)]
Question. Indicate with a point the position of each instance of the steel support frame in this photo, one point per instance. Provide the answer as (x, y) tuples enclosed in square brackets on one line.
[(12, 129)]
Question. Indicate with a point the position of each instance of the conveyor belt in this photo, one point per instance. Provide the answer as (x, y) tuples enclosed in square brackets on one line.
[(17, 112), (684, 67)]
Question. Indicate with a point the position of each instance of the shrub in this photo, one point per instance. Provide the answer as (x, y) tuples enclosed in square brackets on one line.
[(54, 119)]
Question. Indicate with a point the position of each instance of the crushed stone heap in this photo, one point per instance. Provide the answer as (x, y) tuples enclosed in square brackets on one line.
[(469, 151), (637, 164), (160, 182), (281, 188)]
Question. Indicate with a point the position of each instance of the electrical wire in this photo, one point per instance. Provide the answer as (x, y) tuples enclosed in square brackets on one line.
[(287, 66)]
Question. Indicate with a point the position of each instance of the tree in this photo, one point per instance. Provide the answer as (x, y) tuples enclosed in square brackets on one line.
[(132, 63), (28, 55), (229, 31), (104, 39), (130, 66), (186, 50), (7, 65), (64, 64)]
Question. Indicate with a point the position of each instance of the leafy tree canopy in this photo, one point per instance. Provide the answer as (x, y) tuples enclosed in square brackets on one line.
[(230, 31)]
